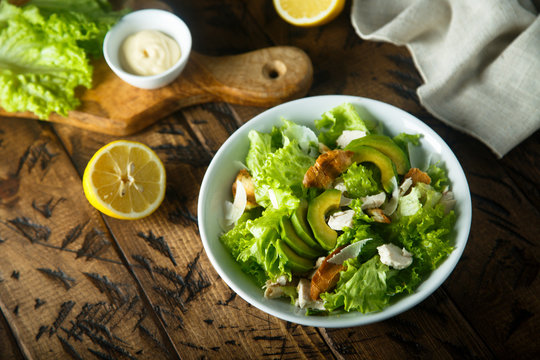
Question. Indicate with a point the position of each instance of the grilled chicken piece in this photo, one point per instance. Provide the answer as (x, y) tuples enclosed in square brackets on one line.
[(378, 215), (326, 276), (327, 168), (417, 176), (245, 178)]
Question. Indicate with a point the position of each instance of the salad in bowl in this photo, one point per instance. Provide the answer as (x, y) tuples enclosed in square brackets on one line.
[(342, 216)]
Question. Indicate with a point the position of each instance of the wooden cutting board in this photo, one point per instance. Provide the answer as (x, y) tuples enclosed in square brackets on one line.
[(264, 77)]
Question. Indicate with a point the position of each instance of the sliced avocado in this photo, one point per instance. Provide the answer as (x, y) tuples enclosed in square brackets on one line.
[(385, 145), (296, 262), (301, 226), (292, 239), (364, 153), (317, 210)]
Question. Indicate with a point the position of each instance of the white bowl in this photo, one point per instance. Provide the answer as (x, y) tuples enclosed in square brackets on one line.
[(148, 19), (216, 188)]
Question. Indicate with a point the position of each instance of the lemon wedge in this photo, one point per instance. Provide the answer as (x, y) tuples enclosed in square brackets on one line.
[(308, 12), (125, 180)]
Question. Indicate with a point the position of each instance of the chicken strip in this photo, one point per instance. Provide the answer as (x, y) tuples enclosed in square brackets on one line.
[(327, 168), (326, 276), (417, 176)]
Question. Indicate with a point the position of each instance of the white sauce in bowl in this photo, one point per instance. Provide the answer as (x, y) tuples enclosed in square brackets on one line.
[(148, 52)]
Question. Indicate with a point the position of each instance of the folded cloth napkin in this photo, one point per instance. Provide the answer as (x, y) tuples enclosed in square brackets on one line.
[(479, 59)]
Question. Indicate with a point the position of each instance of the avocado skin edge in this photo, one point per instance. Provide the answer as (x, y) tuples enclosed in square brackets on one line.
[(364, 153), (385, 145)]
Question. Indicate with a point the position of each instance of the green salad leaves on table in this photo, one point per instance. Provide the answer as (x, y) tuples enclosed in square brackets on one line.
[(336, 219), (45, 51)]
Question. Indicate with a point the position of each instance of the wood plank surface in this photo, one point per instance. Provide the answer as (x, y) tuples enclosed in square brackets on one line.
[(145, 289)]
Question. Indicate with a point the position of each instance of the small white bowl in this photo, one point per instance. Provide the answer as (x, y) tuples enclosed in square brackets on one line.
[(148, 19), (216, 188)]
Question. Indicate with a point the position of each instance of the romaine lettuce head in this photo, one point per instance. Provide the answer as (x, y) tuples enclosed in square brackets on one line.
[(333, 122)]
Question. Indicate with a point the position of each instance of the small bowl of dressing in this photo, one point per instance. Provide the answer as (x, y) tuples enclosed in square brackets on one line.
[(148, 48)]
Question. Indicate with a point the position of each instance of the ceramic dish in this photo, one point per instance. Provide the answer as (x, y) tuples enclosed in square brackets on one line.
[(216, 188), (149, 19)]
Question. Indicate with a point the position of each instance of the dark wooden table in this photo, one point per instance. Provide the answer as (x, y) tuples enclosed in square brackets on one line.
[(75, 283)]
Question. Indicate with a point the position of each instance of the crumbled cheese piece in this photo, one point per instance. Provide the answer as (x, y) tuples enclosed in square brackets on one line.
[(395, 257), (339, 184), (373, 201), (405, 186), (341, 219), (345, 201), (304, 298), (273, 289), (348, 252), (347, 136), (319, 262), (392, 204), (448, 201)]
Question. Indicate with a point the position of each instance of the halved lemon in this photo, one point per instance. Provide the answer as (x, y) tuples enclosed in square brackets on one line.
[(308, 12), (125, 180)]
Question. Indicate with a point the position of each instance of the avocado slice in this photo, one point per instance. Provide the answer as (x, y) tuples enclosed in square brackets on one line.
[(301, 225), (385, 145), (317, 210), (295, 242), (296, 262), (364, 153)]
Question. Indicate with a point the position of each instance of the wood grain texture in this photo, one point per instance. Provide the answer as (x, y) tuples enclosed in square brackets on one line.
[(263, 77), (67, 289)]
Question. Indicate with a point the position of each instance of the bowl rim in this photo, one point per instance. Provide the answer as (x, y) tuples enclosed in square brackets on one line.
[(337, 320), (131, 18)]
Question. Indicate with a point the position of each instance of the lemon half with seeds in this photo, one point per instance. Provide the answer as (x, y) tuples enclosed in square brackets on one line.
[(309, 12), (125, 180)]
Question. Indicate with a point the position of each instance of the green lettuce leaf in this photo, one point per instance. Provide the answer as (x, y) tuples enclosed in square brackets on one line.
[(304, 136), (85, 20), (333, 122), (44, 56), (252, 243), (403, 140), (361, 181), (425, 234), (361, 287), (238, 242), (439, 180), (278, 173)]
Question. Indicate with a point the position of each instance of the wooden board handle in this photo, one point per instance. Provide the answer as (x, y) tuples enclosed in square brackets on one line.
[(264, 77)]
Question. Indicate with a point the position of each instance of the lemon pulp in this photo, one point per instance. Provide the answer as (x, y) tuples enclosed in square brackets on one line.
[(308, 12), (125, 179)]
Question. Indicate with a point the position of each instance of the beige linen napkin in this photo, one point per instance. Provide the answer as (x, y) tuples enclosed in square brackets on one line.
[(480, 61)]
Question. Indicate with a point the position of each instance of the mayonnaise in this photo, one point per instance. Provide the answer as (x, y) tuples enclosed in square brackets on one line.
[(148, 52)]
